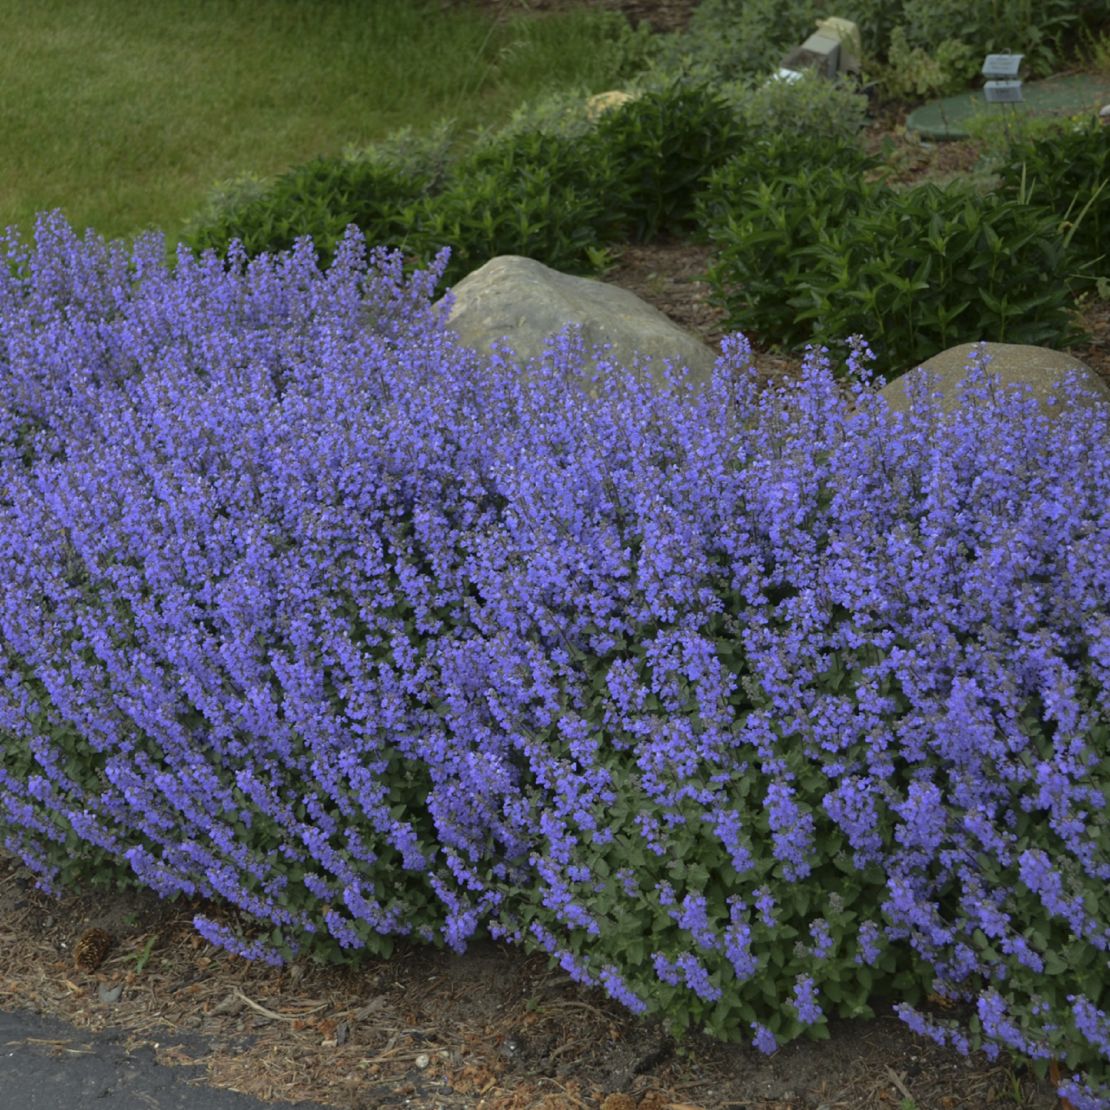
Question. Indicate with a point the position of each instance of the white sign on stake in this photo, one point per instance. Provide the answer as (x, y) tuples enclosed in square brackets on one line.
[(1003, 85)]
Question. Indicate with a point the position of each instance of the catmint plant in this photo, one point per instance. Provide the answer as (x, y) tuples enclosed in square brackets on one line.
[(748, 708)]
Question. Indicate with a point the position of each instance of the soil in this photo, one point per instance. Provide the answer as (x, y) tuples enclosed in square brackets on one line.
[(494, 1029)]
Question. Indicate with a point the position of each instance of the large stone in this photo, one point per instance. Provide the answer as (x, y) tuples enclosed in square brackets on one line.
[(1015, 364), (525, 303)]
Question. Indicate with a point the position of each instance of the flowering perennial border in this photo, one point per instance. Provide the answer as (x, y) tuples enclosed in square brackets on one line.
[(748, 709)]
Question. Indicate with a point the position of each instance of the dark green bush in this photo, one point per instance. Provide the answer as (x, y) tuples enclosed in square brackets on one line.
[(1042, 31), (823, 255), (557, 197), (809, 110), (546, 196), (1069, 173), (738, 39), (318, 199), (932, 267), (666, 143), (765, 209), (768, 157)]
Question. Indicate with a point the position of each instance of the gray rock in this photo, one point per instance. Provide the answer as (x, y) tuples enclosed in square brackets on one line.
[(1015, 364), (525, 303)]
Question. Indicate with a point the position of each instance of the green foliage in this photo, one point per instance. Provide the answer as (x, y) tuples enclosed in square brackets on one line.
[(933, 267), (997, 128), (764, 209), (1097, 52), (1068, 172), (832, 112), (535, 194), (559, 113), (553, 193), (1036, 28), (318, 199), (368, 185), (426, 155), (918, 73), (821, 255), (913, 47), (665, 144), (876, 20), (738, 39)]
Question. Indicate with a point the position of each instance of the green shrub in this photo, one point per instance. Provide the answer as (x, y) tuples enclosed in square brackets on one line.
[(995, 129), (942, 41), (915, 72), (809, 110), (549, 193), (542, 195), (733, 40), (318, 199), (829, 112), (427, 155), (933, 267), (666, 143), (764, 227), (1040, 30), (226, 200), (776, 198), (559, 113), (1068, 172), (824, 254)]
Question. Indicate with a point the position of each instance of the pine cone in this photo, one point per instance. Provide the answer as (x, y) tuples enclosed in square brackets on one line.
[(91, 948)]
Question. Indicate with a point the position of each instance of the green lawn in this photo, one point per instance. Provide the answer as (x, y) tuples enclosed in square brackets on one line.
[(123, 113)]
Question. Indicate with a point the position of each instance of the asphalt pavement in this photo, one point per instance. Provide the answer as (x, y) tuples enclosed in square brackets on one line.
[(46, 1064)]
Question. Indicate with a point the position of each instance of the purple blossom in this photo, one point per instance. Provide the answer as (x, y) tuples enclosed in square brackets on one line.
[(693, 917), (737, 946), (1092, 1023), (764, 1040), (868, 938), (792, 829), (822, 940), (617, 989), (805, 1001)]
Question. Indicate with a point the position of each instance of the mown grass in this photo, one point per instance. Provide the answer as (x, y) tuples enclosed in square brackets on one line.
[(123, 113)]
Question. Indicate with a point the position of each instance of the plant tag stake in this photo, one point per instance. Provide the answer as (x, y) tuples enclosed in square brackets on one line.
[(1003, 86)]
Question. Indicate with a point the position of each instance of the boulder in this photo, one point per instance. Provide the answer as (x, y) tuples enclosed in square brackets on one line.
[(525, 303), (1013, 363)]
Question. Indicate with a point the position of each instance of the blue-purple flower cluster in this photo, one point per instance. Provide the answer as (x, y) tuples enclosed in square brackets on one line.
[(744, 705)]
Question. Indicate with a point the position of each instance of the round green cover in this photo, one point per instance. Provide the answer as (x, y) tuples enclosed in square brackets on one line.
[(1064, 96)]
